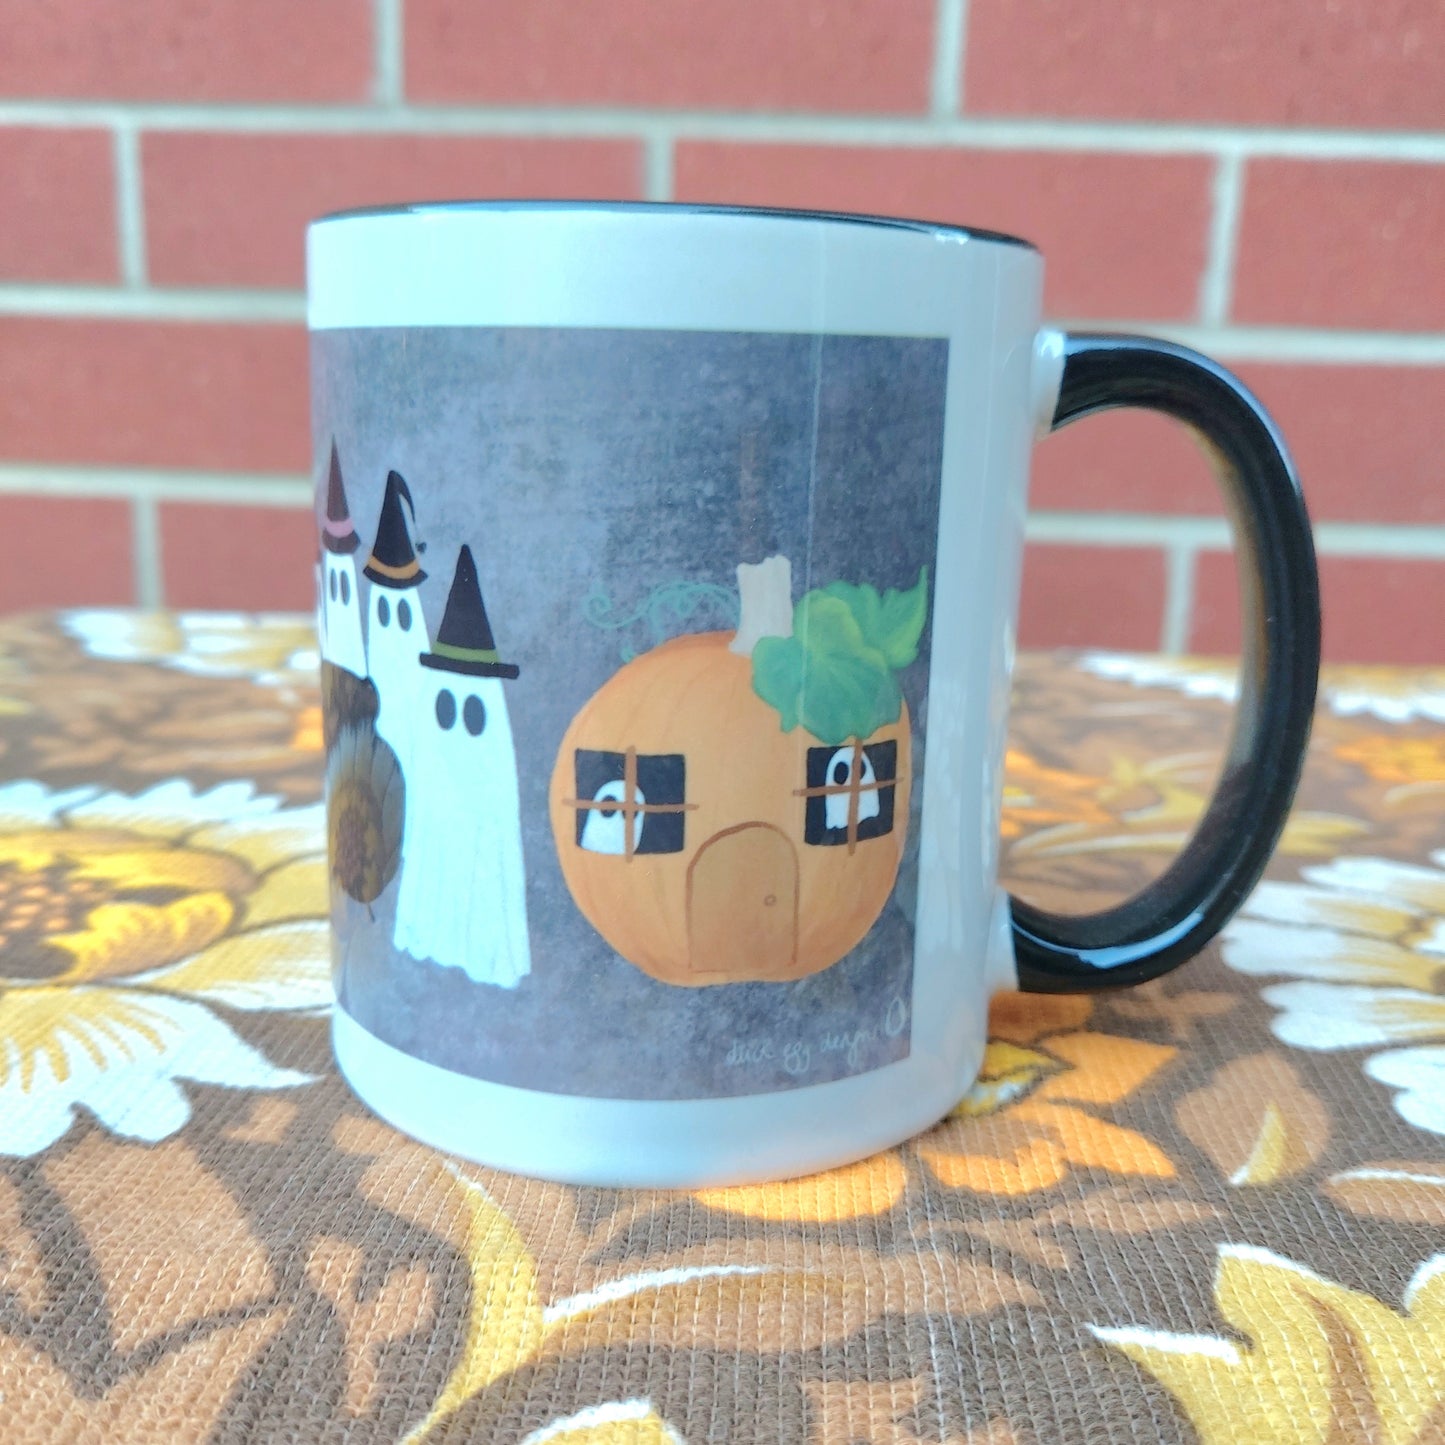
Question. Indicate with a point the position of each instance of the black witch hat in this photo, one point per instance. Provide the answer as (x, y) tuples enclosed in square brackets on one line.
[(337, 532), (393, 561), (464, 642)]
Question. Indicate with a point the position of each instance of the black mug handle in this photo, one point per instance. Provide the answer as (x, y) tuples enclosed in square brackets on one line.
[(1177, 914)]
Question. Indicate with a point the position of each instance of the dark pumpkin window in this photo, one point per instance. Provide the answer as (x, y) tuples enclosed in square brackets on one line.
[(850, 793), (630, 803)]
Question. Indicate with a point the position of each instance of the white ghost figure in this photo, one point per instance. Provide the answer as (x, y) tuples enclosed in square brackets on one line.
[(396, 632), (839, 774), (463, 896), (604, 830), (339, 598), (320, 604)]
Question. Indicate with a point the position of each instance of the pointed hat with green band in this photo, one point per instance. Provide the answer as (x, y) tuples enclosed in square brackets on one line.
[(464, 641)]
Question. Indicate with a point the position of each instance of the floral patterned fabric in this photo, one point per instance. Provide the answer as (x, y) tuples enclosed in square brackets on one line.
[(1208, 1209)]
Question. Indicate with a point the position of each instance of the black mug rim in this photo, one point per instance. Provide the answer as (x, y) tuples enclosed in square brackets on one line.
[(684, 208)]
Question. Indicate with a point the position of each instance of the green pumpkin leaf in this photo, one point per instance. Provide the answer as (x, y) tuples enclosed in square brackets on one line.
[(778, 668), (901, 621), (827, 676), (892, 623)]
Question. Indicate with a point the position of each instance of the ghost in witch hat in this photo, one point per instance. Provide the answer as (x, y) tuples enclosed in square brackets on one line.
[(342, 643), (463, 896), (464, 642), (338, 534), (396, 634), (393, 561)]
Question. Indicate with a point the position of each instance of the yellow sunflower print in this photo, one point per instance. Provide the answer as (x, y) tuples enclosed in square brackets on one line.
[(125, 922)]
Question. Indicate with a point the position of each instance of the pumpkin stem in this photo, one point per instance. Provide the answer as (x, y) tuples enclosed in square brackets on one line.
[(765, 596)]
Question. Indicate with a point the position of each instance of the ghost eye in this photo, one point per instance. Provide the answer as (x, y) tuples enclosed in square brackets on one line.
[(604, 829), (345, 589), (839, 799), (628, 804), (333, 586), (383, 611), (446, 709), (474, 716), (849, 793), (403, 615)]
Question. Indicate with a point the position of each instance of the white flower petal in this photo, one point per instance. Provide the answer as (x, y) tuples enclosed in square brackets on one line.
[(1422, 1282), (1356, 700), (1329, 1016), (268, 647), (285, 966), (152, 1112), (1384, 880), (123, 636), (1304, 903), (172, 809), (239, 622), (268, 838), (271, 648), (644, 1282), (1420, 1076), (1261, 949), (29, 805), (119, 1053), (596, 1421), (33, 1123), (1209, 1347), (1197, 679)]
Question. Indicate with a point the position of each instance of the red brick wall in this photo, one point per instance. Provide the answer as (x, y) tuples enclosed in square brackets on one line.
[(1265, 181)]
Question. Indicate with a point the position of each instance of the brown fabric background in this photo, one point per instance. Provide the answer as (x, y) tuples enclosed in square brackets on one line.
[(281, 1266)]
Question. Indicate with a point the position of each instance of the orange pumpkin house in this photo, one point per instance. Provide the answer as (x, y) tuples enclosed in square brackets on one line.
[(707, 841)]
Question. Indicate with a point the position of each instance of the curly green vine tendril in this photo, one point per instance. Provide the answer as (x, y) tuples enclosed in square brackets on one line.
[(664, 613)]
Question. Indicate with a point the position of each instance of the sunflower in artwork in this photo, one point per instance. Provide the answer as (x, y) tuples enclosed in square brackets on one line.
[(126, 923)]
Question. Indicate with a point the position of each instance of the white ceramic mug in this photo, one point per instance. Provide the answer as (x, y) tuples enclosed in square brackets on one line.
[(670, 559)]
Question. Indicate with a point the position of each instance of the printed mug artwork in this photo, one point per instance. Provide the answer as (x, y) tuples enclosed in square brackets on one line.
[(429, 788), (611, 815), (734, 806), (727, 807)]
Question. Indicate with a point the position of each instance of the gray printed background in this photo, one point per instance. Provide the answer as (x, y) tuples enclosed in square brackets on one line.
[(601, 476)]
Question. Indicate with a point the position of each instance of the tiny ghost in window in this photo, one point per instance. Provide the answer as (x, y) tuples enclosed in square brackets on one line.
[(850, 785), (630, 803)]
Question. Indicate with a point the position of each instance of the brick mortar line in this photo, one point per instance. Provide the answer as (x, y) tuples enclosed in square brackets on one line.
[(152, 303), (388, 87), (246, 305), (1179, 566), (130, 237), (154, 486), (657, 168), (146, 552), (581, 123), (1217, 282), (1303, 345), (1406, 540), (945, 83), (1083, 529)]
